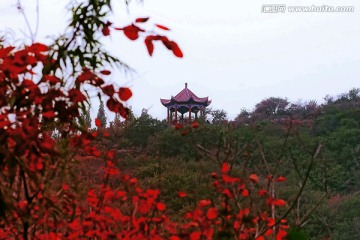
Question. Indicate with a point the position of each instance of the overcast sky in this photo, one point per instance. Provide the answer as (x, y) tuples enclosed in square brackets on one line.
[(233, 53)]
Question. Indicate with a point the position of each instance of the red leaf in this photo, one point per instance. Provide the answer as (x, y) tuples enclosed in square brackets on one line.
[(49, 114), (212, 213), (111, 154), (182, 194), (97, 122), (225, 167), (281, 234), (39, 47), (227, 193), (195, 236), (253, 177), (185, 132), (23, 204), (4, 124), (195, 124), (142, 20), (39, 165), (171, 45), (117, 107), (105, 72), (131, 31), (162, 27), (178, 126), (278, 202), (105, 31), (204, 203), (262, 192), (65, 187), (176, 50), (47, 143), (111, 170), (281, 179), (228, 179), (125, 94), (76, 96), (161, 206), (149, 45), (271, 222), (166, 42), (52, 79), (11, 143), (108, 90), (5, 51), (86, 75), (114, 105), (245, 193)]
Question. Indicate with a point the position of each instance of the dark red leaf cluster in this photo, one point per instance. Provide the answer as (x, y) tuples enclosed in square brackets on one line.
[(132, 32), (171, 45), (106, 30)]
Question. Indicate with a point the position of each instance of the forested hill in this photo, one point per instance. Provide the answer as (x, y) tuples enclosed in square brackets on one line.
[(277, 137)]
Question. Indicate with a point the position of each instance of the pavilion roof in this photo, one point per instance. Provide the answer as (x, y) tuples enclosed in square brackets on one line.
[(186, 96)]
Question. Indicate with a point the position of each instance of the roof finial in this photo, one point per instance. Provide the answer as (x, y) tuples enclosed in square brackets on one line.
[(185, 85)]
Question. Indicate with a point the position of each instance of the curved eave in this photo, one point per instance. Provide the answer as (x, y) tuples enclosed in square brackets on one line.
[(201, 100), (169, 102), (165, 102)]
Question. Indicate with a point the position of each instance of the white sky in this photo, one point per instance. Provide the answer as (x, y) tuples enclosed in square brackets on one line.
[(233, 53)]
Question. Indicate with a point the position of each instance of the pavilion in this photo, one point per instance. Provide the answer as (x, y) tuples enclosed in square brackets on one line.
[(185, 102)]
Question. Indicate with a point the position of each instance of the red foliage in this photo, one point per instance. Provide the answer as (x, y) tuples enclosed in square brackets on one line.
[(149, 45), (171, 45), (224, 217), (97, 122), (132, 31), (281, 179), (195, 124), (106, 30), (162, 27), (225, 167), (182, 194), (141, 20), (105, 72), (278, 202), (253, 177), (124, 94), (212, 213)]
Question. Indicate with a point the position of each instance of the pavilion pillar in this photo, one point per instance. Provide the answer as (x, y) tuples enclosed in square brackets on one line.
[(176, 120), (196, 116), (168, 115), (189, 114)]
